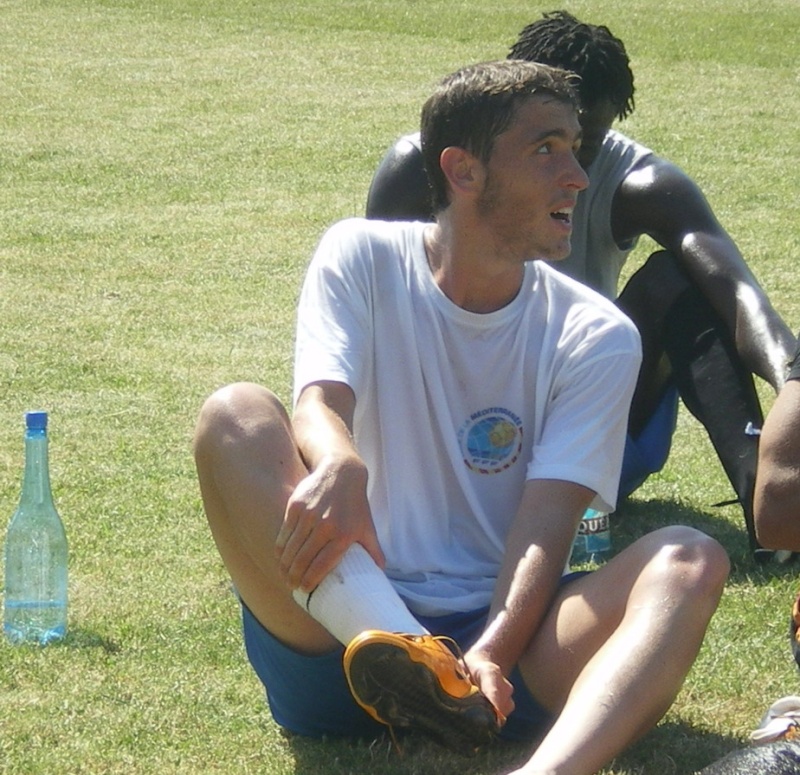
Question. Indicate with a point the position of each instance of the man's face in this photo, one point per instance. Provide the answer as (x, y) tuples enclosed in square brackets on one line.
[(532, 181), (595, 122)]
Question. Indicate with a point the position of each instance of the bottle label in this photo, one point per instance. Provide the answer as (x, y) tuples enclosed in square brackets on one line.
[(593, 525)]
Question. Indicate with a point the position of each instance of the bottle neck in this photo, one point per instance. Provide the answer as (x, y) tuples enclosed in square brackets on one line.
[(36, 482)]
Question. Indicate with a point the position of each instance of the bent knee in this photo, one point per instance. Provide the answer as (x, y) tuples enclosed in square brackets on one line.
[(663, 267), (232, 410), (688, 558), (661, 271)]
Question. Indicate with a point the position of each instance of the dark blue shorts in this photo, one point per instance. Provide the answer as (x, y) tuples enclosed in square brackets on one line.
[(648, 452), (308, 695)]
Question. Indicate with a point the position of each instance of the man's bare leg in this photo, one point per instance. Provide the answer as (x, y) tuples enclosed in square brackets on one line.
[(616, 647), (248, 466)]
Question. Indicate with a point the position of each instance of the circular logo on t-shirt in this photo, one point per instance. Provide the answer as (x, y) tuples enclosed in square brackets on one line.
[(491, 440)]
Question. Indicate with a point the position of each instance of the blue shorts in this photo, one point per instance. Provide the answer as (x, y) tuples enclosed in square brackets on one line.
[(308, 695), (648, 452)]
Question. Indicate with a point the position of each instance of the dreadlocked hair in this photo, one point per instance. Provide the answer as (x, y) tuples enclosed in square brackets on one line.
[(591, 51)]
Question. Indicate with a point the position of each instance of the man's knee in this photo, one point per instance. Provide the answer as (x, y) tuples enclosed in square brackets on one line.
[(654, 287), (236, 410), (663, 267), (688, 560)]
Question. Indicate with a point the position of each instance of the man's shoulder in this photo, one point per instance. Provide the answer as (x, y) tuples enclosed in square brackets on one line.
[(360, 240), (578, 299), (618, 156), (409, 144), (618, 142), (642, 163), (363, 230)]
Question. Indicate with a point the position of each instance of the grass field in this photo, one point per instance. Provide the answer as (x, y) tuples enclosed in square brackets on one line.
[(166, 168)]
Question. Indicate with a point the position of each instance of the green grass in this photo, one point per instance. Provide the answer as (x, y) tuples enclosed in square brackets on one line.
[(166, 168)]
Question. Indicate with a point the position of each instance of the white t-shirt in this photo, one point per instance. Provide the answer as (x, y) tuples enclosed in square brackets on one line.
[(456, 410)]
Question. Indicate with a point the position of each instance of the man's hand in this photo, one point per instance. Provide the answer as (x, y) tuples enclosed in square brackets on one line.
[(492, 683), (327, 512)]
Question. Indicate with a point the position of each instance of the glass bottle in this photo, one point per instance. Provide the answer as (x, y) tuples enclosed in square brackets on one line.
[(35, 609)]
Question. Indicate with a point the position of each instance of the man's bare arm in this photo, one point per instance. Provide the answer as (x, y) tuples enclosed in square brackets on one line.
[(328, 511), (660, 200), (537, 550), (777, 493)]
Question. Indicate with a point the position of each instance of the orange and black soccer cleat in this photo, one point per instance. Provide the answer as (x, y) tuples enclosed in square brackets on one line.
[(416, 682)]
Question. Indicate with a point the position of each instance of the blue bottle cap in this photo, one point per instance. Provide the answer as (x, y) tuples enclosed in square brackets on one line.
[(36, 421)]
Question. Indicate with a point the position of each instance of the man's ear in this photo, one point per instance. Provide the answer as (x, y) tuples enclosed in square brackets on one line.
[(463, 171)]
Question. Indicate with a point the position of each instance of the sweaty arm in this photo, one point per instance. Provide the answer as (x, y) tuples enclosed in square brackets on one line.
[(399, 190), (537, 549), (328, 510), (658, 199), (777, 491)]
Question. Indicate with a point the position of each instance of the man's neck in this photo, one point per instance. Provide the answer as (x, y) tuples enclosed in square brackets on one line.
[(468, 271)]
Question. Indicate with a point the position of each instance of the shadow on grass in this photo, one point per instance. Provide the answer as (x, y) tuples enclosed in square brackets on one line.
[(415, 756), (634, 518), (675, 749), (670, 749), (80, 638)]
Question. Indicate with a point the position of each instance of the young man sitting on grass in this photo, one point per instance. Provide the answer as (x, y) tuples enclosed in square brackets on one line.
[(399, 544)]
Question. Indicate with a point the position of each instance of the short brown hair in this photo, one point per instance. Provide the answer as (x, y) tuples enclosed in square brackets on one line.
[(474, 105)]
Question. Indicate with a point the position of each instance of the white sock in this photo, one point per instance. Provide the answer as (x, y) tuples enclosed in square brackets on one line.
[(356, 596)]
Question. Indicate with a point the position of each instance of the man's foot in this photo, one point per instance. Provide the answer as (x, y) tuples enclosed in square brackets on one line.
[(415, 681)]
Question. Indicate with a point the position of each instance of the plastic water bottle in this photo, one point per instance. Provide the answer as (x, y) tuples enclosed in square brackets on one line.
[(593, 541), (35, 608)]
